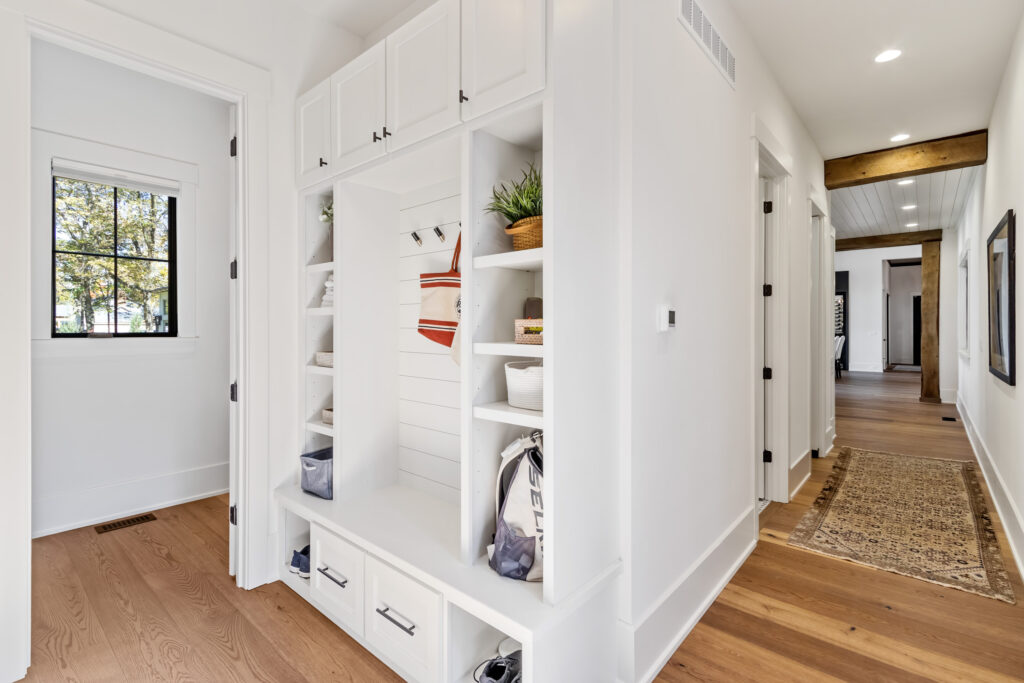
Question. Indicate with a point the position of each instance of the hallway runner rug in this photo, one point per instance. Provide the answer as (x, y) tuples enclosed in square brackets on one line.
[(920, 517)]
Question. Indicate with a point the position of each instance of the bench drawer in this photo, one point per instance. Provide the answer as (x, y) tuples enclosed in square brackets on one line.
[(336, 577)]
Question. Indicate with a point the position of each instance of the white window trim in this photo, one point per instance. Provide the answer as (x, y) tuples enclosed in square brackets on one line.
[(53, 151)]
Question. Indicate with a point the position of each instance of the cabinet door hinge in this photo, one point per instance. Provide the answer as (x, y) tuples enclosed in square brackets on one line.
[(233, 515), (766, 373), (766, 290), (767, 207), (234, 392), (766, 456), (234, 146), (234, 269)]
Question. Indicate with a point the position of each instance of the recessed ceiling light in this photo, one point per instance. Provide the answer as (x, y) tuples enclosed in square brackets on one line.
[(888, 56), (908, 207), (911, 225), (908, 181), (899, 137)]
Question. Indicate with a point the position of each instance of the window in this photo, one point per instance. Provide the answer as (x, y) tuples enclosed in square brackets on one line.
[(113, 261)]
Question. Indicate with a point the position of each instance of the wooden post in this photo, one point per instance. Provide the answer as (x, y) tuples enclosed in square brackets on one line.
[(931, 253)]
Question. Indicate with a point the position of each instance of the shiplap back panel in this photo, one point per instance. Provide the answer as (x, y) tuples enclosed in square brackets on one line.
[(428, 379), (939, 199)]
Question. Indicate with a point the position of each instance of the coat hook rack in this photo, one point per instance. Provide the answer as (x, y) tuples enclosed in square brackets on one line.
[(439, 233), (416, 237)]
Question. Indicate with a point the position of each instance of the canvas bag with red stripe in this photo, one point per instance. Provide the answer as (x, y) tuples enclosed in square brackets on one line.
[(441, 302)]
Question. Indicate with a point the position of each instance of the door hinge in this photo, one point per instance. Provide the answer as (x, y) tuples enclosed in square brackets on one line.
[(766, 456), (462, 97), (234, 392), (766, 373), (233, 515), (234, 269), (814, 453), (767, 207), (234, 146), (766, 290)]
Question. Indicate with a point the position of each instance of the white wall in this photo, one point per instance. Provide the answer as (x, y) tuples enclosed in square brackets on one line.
[(688, 213), (865, 302), (123, 425), (993, 410), (904, 285)]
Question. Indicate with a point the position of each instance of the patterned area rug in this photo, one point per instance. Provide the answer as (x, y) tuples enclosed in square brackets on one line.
[(920, 517)]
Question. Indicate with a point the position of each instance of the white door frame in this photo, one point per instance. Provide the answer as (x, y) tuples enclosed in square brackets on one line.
[(771, 417), (99, 32), (822, 329)]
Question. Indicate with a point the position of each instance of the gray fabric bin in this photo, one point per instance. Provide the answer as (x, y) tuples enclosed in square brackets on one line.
[(318, 472)]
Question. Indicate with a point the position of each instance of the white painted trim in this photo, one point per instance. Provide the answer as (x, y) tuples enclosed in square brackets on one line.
[(948, 395), (772, 144), (1009, 513), (682, 589), (865, 367), (799, 485), (119, 347)]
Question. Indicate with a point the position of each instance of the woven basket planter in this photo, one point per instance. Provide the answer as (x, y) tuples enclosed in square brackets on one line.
[(527, 233)]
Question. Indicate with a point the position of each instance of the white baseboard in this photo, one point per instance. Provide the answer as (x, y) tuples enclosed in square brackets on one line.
[(649, 645), (947, 395), (865, 367), (799, 472), (77, 508), (15, 674), (1009, 514)]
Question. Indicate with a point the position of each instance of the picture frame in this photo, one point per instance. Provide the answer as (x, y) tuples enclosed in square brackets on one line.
[(1001, 259)]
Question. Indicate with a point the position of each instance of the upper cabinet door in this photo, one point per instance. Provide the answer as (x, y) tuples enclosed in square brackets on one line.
[(423, 75), (502, 52), (357, 110), (313, 134)]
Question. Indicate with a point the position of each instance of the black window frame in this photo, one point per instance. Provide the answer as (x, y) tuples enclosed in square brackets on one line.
[(171, 261)]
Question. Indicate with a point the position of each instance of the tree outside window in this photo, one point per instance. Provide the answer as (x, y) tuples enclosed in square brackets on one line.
[(113, 261)]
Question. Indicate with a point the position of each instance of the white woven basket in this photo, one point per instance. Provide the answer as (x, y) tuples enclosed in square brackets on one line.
[(325, 359), (525, 380)]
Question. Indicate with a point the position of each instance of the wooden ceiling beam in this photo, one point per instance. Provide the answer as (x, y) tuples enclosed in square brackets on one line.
[(943, 154), (899, 239)]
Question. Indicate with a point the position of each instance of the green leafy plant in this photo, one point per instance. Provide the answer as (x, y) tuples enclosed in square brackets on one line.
[(519, 199)]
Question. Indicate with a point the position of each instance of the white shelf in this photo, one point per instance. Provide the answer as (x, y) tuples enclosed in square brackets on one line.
[(320, 427), (295, 582), (503, 412), (527, 259), (320, 310), (419, 534), (320, 267), (319, 370), (508, 349)]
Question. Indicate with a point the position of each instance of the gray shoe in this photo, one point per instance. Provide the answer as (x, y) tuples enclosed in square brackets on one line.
[(500, 669)]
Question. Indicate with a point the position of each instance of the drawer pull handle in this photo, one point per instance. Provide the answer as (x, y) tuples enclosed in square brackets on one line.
[(384, 613), (324, 570)]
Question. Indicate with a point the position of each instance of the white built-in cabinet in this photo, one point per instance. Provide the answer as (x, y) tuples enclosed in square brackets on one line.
[(451, 63), (358, 105), (502, 53)]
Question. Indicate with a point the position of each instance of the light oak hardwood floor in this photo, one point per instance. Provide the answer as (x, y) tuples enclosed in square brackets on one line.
[(794, 615)]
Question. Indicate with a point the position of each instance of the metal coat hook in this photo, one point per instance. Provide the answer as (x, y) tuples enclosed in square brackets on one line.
[(416, 237), (439, 233)]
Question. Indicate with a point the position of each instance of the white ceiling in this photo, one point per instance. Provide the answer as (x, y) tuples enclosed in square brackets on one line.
[(822, 52), (360, 17), (877, 208)]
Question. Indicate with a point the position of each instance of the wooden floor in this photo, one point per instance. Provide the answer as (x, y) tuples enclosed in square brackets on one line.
[(154, 602), (793, 615)]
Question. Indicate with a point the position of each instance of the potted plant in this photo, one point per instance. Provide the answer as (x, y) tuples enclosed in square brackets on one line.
[(521, 203)]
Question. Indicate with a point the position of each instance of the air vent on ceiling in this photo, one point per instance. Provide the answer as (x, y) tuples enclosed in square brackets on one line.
[(692, 16)]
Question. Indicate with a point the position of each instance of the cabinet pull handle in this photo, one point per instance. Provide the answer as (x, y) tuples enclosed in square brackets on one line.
[(462, 97), (376, 138), (384, 613), (386, 133), (324, 570), (322, 162)]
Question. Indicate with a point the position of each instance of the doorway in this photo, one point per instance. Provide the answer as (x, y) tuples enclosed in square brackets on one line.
[(917, 330)]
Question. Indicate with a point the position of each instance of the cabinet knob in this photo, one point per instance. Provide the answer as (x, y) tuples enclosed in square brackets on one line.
[(322, 162), (386, 133), (376, 138), (462, 96)]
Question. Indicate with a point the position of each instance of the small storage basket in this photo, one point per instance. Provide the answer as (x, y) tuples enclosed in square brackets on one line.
[(327, 415), (530, 331), (318, 472), (325, 359), (525, 380), (527, 233)]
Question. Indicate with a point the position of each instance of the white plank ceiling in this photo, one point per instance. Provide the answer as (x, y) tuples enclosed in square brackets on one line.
[(938, 199)]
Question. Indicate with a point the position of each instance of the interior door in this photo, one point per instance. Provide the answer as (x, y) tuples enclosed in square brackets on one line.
[(423, 75), (234, 469), (313, 130), (917, 330), (358, 96), (502, 53), (767, 329)]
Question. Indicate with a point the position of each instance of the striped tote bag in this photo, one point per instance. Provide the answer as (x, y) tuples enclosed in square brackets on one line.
[(441, 302)]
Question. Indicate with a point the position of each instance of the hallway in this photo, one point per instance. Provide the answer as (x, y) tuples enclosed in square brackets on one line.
[(790, 614)]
